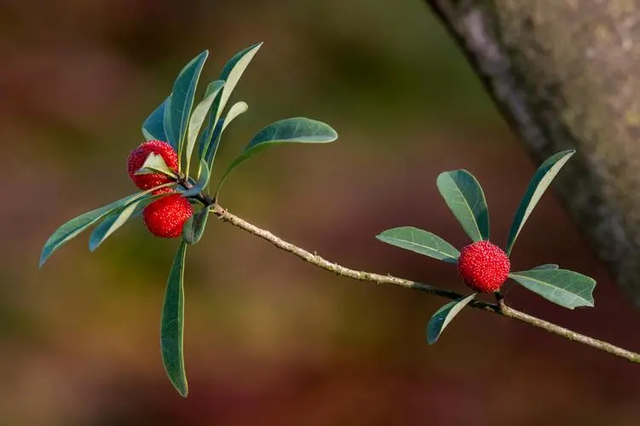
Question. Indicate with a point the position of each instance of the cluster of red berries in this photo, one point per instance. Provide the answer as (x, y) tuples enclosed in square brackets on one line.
[(166, 216)]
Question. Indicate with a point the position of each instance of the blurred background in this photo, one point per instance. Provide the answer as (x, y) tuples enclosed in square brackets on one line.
[(269, 339)]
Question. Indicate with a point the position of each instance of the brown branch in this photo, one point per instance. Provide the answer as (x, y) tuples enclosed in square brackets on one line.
[(500, 309)]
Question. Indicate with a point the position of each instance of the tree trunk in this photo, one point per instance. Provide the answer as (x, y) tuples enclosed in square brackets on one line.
[(566, 74)]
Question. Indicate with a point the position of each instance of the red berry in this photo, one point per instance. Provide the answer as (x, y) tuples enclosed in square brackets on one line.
[(483, 266), (166, 217), (138, 156)]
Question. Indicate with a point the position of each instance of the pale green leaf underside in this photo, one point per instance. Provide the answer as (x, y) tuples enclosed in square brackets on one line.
[(443, 316), (231, 74), (236, 109), (561, 286), (290, 130), (420, 241), (198, 117), (172, 324), (463, 194), (537, 186), (154, 163), (233, 70)]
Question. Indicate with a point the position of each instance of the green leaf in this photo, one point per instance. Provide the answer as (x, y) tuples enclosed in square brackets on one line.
[(154, 163), (463, 194), (233, 70), (195, 226), (539, 183), (172, 325), (119, 217), (231, 74), (561, 286), (297, 129), (420, 241), (443, 316), (545, 266), (182, 98), (153, 126), (197, 118), (168, 128), (78, 224), (236, 109), (203, 181)]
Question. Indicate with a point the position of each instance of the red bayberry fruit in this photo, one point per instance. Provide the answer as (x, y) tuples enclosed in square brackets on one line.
[(166, 217), (483, 266), (138, 156)]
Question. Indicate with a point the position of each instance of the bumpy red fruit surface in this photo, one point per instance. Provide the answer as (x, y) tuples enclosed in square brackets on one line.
[(483, 266), (166, 217), (138, 156)]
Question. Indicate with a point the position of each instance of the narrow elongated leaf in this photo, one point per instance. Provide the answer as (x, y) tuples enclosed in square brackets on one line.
[(168, 128), (231, 74), (119, 217), (236, 109), (182, 98), (197, 118), (297, 129), (203, 181), (153, 126), (443, 316), (561, 286), (194, 227), (546, 266), (463, 194), (78, 224), (154, 163), (538, 184), (420, 241), (234, 69), (172, 324)]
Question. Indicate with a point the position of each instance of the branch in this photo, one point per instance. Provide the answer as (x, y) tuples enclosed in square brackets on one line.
[(500, 309)]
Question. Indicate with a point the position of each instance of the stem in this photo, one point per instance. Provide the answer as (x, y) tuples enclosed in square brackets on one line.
[(501, 308)]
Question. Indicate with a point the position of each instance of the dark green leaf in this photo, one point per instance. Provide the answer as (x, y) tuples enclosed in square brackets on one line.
[(198, 117), (119, 217), (539, 183), (182, 98), (231, 74), (171, 331), (443, 317), (463, 194), (154, 163), (563, 287), (545, 266), (153, 126), (420, 241), (203, 181), (195, 226), (298, 129), (75, 226)]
